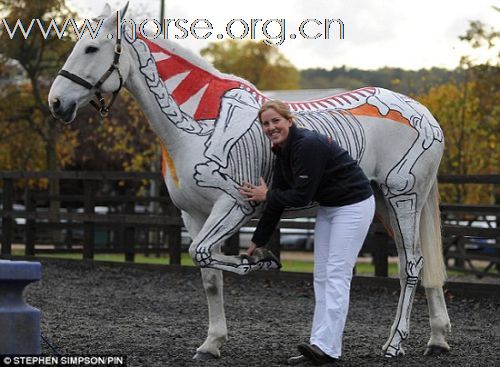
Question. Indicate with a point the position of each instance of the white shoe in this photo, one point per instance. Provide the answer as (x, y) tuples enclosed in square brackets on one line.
[(292, 361)]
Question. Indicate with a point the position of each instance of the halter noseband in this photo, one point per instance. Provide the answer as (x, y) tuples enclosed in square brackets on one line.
[(100, 105)]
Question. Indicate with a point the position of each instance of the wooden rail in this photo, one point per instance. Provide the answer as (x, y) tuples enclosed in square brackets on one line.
[(463, 244)]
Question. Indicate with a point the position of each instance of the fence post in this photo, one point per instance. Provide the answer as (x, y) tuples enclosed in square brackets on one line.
[(30, 224), (459, 261), (7, 220), (68, 238), (174, 245), (129, 232), (380, 254), (174, 236), (89, 189)]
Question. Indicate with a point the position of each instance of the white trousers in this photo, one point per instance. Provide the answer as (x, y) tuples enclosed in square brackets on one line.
[(339, 236)]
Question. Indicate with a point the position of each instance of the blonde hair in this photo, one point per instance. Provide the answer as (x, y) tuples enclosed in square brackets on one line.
[(280, 107)]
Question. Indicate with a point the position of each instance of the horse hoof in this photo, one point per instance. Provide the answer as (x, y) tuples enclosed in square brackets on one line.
[(204, 356), (392, 352), (435, 350)]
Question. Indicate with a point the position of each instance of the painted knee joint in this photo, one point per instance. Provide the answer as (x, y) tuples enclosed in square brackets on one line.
[(201, 258)]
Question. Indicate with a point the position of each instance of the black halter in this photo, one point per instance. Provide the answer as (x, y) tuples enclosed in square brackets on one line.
[(100, 105)]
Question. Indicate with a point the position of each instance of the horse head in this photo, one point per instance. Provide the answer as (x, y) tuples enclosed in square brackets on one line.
[(95, 66)]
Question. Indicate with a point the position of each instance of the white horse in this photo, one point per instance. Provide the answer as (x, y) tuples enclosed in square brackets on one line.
[(212, 142)]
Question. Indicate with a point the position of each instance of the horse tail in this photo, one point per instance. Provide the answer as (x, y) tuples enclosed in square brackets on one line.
[(434, 274)]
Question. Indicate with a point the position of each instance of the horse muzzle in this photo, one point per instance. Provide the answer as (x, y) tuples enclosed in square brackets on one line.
[(62, 111)]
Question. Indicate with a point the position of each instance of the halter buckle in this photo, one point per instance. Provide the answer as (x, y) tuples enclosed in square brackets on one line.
[(104, 112)]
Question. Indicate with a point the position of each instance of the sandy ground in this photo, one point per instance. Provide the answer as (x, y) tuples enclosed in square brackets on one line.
[(158, 317)]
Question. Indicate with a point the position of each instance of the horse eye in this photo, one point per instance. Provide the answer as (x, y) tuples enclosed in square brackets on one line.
[(91, 49)]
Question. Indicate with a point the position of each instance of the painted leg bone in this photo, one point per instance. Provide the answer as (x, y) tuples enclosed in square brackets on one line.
[(401, 326), (208, 174), (238, 112), (411, 263), (400, 179), (414, 112), (205, 248), (238, 109)]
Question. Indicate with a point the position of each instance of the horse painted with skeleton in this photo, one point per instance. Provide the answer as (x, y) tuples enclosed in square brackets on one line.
[(212, 142)]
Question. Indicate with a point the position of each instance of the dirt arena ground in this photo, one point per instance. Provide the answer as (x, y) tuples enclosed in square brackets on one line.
[(158, 317)]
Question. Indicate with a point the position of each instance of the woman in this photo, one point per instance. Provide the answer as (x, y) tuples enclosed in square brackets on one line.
[(311, 167)]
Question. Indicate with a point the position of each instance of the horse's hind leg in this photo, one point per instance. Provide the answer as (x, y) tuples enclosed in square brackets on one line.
[(404, 219), (434, 274), (439, 320)]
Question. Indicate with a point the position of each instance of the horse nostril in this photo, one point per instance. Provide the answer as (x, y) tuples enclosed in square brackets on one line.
[(56, 104)]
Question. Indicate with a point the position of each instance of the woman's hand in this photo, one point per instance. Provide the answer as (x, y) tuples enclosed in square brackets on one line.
[(251, 248), (254, 193)]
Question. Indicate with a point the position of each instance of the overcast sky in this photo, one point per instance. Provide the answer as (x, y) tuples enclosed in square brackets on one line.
[(395, 33)]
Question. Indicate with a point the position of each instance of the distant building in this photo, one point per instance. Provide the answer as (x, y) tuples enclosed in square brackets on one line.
[(302, 94)]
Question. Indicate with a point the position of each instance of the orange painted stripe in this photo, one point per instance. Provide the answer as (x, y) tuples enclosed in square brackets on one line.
[(168, 161), (372, 111)]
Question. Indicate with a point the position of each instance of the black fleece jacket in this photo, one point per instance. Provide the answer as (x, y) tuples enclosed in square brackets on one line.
[(310, 167)]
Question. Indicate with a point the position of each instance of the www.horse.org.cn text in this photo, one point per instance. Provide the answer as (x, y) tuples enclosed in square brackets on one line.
[(273, 32)]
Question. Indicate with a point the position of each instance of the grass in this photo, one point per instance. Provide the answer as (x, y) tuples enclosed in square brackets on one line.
[(296, 265)]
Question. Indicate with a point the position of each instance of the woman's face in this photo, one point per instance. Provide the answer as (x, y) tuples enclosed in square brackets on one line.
[(275, 126)]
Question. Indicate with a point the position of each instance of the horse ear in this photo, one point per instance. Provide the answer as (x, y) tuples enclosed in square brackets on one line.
[(124, 10), (112, 19), (105, 12)]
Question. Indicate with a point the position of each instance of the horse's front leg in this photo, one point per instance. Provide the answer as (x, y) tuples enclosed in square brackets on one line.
[(217, 328), (226, 218), (213, 285)]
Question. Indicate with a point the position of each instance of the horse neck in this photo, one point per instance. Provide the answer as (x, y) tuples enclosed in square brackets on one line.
[(169, 122)]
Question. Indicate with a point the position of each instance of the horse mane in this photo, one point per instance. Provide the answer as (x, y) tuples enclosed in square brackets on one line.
[(197, 60)]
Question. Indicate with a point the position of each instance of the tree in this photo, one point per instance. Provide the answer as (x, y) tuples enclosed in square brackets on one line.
[(469, 112), (30, 138), (410, 82), (35, 140), (39, 58), (123, 141), (262, 65)]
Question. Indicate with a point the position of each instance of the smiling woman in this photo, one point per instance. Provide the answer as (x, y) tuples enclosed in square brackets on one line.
[(276, 120), (311, 167)]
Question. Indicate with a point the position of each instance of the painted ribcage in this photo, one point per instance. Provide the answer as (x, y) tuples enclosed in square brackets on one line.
[(251, 157), (341, 126)]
